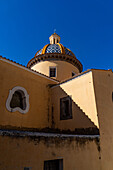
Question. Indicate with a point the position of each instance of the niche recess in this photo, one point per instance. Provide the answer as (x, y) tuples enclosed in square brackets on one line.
[(18, 100)]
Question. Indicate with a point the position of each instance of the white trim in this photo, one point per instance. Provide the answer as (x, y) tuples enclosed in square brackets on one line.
[(11, 92), (27, 69)]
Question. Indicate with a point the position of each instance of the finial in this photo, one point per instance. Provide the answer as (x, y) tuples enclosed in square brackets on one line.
[(54, 30)]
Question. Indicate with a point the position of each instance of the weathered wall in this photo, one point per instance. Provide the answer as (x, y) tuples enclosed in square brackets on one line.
[(81, 90), (12, 75), (103, 83), (64, 69), (79, 118), (77, 153)]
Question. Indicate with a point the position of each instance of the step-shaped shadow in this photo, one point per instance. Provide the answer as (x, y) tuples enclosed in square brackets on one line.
[(78, 122)]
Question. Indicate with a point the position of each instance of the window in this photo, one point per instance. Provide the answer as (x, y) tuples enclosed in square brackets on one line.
[(52, 71), (65, 108), (73, 74), (18, 100), (54, 41), (57, 41), (25, 168), (53, 164)]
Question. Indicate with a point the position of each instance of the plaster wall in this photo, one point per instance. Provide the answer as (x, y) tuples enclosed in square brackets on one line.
[(103, 83), (38, 90), (79, 118), (63, 69), (81, 90), (20, 152)]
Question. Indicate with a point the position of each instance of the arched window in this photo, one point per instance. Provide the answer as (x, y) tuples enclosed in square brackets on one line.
[(57, 40), (54, 41), (18, 100)]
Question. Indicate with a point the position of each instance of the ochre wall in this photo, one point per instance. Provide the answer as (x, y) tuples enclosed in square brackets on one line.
[(79, 118), (40, 114), (103, 83), (64, 69), (19, 152), (81, 90), (38, 90)]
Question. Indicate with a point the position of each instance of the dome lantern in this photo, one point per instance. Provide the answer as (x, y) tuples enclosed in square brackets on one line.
[(54, 38)]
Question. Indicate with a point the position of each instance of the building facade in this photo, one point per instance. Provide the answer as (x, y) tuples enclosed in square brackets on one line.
[(54, 116)]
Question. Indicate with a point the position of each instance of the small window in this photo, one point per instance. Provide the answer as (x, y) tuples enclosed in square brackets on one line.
[(65, 108), (18, 100), (57, 41), (53, 164), (52, 71), (54, 41), (27, 168), (73, 74)]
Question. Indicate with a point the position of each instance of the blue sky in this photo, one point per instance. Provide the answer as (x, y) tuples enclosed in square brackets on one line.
[(85, 27)]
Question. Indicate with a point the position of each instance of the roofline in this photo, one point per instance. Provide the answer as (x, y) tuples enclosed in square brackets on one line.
[(80, 74), (26, 68), (56, 56), (76, 76)]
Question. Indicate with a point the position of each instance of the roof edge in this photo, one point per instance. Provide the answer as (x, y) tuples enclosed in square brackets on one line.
[(56, 56), (80, 74), (26, 68)]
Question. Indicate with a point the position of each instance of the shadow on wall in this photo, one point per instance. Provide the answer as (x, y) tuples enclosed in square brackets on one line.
[(68, 117)]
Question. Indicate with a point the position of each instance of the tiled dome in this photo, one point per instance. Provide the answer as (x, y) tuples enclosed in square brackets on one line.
[(54, 48), (55, 51), (68, 52)]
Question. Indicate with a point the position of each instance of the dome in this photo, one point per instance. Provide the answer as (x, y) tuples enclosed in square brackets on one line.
[(55, 48), (55, 51)]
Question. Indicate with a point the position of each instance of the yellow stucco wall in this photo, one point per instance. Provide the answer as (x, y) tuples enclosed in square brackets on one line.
[(18, 153), (81, 89), (103, 83), (79, 118), (12, 75), (64, 69), (41, 114)]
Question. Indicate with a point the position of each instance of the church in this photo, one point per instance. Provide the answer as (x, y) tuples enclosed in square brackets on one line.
[(54, 116)]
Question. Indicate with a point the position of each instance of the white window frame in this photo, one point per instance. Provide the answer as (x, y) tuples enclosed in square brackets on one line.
[(11, 92)]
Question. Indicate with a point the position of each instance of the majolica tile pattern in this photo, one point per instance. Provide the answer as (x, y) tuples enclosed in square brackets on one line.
[(68, 52), (53, 48), (40, 52)]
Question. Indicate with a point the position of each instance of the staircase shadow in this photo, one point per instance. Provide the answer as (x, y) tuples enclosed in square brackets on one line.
[(79, 124)]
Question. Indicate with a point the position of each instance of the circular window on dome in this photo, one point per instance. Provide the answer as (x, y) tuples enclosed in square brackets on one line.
[(18, 100)]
